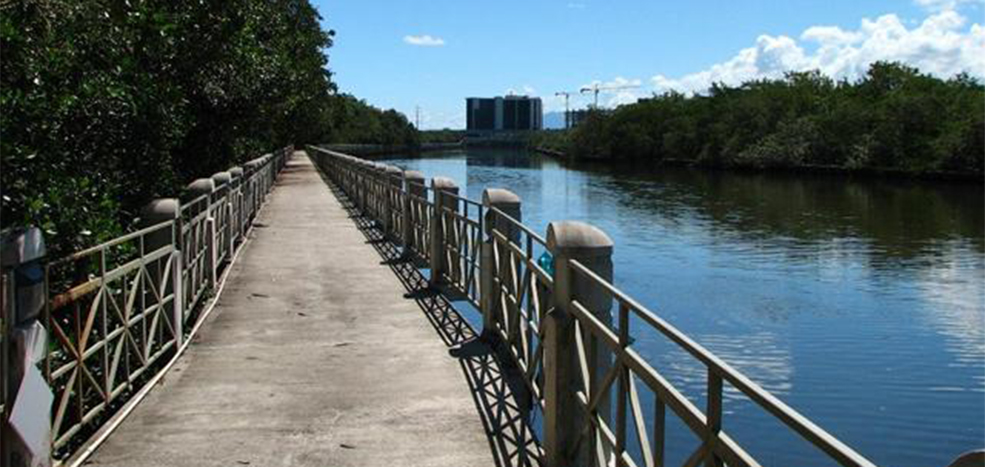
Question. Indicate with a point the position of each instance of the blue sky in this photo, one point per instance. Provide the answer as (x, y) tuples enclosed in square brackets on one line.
[(433, 54)]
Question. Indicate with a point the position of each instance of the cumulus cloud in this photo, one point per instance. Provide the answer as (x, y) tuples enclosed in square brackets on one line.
[(425, 40), (943, 44)]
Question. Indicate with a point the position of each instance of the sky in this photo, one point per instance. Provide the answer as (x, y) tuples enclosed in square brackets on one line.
[(431, 55)]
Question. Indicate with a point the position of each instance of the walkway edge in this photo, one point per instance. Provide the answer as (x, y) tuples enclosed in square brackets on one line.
[(90, 447)]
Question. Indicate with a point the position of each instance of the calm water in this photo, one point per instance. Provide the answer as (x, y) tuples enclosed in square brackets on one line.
[(861, 303)]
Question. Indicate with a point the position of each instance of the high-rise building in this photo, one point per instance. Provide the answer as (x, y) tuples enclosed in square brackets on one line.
[(510, 113)]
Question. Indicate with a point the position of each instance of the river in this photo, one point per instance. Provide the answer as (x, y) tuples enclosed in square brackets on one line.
[(859, 302)]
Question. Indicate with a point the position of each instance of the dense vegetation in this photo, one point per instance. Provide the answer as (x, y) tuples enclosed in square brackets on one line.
[(442, 136), (894, 118), (105, 105), (356, 122)]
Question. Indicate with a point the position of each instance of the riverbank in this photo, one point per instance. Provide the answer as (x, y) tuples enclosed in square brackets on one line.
[(894, 121), (380, 149), (806, 169)]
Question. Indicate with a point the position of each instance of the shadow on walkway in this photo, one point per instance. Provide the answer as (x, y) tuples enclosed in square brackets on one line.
[(500, 396)]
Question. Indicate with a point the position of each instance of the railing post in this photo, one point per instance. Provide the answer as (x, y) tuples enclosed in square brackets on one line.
[(364, 173), (223, 179), (156, 212), (440, 186), (392, 198), (247, 189), (413, 186), (563, 415), (509, 203), (236, 187), (24, 343), (198, 188), (377, 174)]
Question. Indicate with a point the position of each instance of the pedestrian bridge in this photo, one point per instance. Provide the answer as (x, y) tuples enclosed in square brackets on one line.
[(310, 308)]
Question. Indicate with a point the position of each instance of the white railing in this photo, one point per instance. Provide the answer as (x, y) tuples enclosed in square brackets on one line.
[(553, 319), (114, 313)]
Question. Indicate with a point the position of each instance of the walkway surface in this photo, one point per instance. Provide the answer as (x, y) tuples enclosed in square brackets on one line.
[(314, 357)]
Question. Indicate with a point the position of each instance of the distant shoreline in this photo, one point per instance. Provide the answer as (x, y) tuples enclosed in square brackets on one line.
[(867, 172), (379, 149)]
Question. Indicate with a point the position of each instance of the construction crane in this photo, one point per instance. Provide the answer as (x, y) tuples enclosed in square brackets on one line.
[(567, 113), (598, 87)]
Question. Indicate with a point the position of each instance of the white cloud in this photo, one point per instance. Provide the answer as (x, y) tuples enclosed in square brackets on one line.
[(525, 90), (425, 40), (940, 5), (619, 81), (943, 44)]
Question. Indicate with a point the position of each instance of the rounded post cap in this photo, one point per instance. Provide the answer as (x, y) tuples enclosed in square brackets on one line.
[(201, 186), (160, 210), (444, 184), (236, 172), (393, 170), (500, 198), (414, 176), (221, 178), (577, 239)]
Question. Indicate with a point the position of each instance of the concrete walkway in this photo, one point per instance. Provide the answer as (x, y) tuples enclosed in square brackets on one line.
[(314, 357)]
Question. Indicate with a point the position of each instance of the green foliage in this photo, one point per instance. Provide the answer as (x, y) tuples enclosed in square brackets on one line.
[(894, 118), (356, 122), (552, 140), (442, 136), (105, 105)]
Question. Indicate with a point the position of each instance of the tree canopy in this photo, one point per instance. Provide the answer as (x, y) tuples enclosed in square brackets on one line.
[(893, 118), (105, 105)]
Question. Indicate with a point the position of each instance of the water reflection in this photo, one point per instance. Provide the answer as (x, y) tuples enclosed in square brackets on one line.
[(859, 301)]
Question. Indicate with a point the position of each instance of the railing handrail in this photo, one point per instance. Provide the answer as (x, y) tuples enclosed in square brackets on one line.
[(140, 278), (816, 435), (808, 430), (111, 243)]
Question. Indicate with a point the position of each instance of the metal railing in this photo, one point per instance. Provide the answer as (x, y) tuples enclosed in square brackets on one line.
[(418, 219), (520, 296), (195, 249), (108, 330), (461, 224), (116, 312), (628, 366), (578, 361)]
